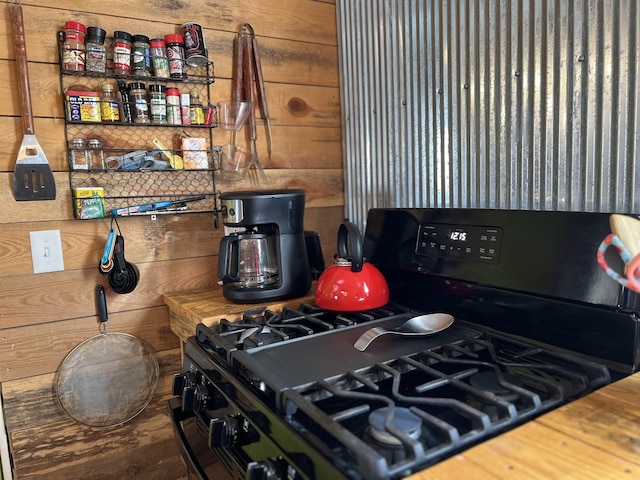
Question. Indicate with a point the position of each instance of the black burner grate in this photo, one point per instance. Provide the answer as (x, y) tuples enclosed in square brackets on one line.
[(262, 327), (459, 393)]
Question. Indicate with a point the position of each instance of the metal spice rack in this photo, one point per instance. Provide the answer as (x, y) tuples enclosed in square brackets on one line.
[(191, 190)]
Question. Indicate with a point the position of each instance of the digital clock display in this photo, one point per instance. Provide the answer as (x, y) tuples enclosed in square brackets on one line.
[(457, 236), (475, 243)]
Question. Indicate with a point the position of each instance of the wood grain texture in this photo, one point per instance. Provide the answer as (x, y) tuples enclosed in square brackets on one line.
[(323, 187), (44, 316), (65, 449), (208, 306), (293, 147), (31, 402), (595, 437), (37, 349), (289, 104), (296, 20)]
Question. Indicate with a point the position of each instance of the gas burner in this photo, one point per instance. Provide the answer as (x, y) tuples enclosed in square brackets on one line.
[(489, 382), (401, 418)]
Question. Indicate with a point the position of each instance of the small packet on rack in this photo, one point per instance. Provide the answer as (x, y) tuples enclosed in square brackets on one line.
[(88, 202), (194, 153)]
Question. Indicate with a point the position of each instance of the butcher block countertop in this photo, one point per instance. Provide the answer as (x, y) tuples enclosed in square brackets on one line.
[(596, 437), (187, 309)]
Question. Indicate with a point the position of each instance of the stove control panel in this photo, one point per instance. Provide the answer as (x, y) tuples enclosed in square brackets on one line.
[(197, 392), (231, 431), (475, 243)]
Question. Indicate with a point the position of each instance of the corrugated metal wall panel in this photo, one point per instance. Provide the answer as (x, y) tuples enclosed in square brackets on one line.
[(490, 104)]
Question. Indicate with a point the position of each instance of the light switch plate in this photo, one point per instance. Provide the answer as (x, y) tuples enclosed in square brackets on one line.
[(46, 251)]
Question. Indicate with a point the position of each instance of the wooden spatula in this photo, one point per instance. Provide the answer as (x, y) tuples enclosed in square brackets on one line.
[(32, 175)]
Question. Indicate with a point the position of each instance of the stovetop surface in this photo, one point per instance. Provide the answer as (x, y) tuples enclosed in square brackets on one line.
[(310, 358), (402, 404), (290, 350)]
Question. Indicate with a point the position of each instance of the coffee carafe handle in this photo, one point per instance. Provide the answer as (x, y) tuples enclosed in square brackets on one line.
[(228, 259)]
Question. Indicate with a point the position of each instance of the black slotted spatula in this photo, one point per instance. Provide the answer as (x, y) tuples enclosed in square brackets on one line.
[(32, 176)]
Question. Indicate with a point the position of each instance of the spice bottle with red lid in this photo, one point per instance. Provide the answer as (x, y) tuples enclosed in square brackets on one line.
[(74, 50), (159, 58), (173, 106), (175, 54)]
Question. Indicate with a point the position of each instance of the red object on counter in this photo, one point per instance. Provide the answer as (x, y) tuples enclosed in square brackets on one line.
[(351, 284)]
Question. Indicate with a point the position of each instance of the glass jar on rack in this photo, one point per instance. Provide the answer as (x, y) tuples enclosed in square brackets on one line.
[(158, 101), (159, 58), (95, 154), (173, 106), (140, 104), (196, 111), (109, 110), (141, 56), (96, 54), (122, 53), (78, 154), (74, 49)]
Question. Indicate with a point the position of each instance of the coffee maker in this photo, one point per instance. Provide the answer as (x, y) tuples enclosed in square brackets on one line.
[(263, 255)]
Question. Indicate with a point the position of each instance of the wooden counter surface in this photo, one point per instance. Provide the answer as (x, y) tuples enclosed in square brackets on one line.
[(208, 306), (596, 437)]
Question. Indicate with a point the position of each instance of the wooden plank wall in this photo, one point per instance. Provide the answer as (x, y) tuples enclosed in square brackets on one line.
[(42, 317)]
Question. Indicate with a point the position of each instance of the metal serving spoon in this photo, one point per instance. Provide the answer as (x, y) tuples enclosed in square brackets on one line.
[(416, 326)]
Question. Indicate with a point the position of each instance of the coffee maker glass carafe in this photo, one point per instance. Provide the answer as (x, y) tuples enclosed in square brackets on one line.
[(264, 255), (249, 258)]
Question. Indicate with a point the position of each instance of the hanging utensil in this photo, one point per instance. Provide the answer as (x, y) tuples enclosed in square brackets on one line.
[(123, 276), (32, 175), (249, 76), (626, 240), (109, 378), (175, 160), (262, 96)]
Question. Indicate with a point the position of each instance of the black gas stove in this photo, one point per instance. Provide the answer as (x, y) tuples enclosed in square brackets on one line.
[(284, 394)]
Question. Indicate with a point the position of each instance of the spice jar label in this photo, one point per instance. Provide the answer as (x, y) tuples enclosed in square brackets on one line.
[(83, 106)]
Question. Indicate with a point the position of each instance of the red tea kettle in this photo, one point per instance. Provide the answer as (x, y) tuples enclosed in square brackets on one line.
[(351, 284)]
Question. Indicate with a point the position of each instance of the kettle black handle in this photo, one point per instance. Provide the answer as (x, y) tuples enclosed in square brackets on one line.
[(350, 245), (226, 259)]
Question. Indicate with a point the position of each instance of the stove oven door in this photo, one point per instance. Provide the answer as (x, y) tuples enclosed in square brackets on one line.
[(199, 459)]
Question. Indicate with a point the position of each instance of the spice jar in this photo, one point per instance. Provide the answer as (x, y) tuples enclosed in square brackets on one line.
[(173, 106), (175, 54), (159, 58), (158, 103), (96, 54), (78, 154), (197, 114), (127, 112), (109, 111), (96, 154), (121, 53), (141, 56), (140, 105), (73, 49)]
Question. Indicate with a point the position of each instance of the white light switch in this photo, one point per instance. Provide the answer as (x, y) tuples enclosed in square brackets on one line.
[(46, 251)]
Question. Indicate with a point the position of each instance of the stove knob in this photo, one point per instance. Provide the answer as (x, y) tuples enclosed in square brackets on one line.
[(223, 432), (182, 381), (195, 398), (262, 470)]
